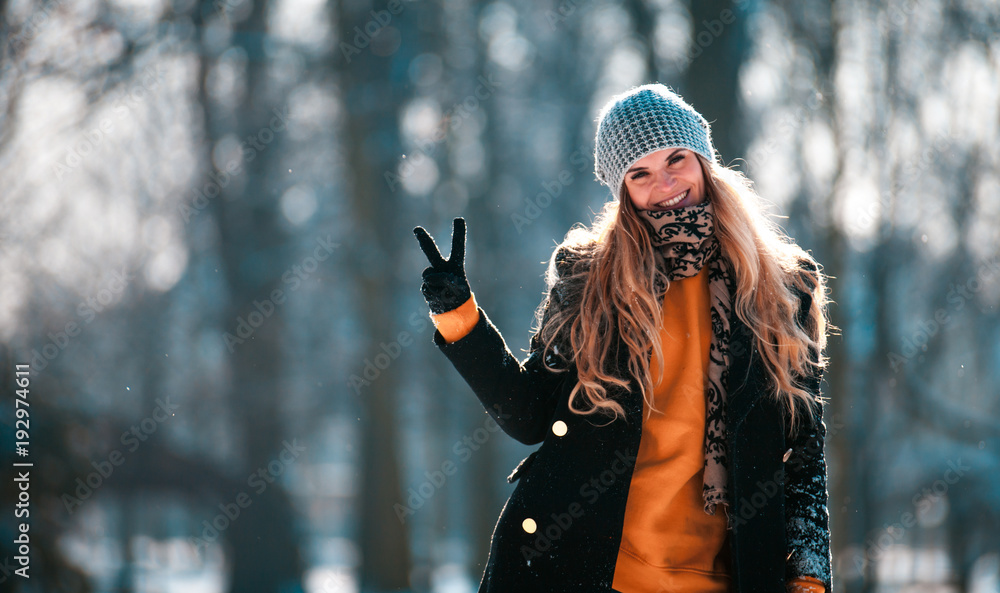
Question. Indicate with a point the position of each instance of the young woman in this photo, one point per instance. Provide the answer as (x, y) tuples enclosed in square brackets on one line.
[(676, 367)]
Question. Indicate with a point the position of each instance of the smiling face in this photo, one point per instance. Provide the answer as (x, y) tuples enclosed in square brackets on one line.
[(665, 180)]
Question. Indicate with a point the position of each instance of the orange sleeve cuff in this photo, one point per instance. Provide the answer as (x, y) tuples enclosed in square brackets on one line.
[(805, 585), (457, 323)]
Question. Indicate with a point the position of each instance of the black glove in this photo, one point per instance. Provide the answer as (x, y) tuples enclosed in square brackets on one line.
[(445, 286)]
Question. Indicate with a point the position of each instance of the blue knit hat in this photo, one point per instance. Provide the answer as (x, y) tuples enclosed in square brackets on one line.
[(641, 121)]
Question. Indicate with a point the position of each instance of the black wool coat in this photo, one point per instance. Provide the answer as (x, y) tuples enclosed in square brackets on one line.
[(575, 485)]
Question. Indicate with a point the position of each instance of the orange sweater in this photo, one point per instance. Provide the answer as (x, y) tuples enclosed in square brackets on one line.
[(668, 541), (658, 552)]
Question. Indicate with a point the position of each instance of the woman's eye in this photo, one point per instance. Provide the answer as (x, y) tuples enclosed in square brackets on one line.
[(677, 159), (638, 174)]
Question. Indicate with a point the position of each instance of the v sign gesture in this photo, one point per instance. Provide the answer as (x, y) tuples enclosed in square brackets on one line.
[(445, 286)]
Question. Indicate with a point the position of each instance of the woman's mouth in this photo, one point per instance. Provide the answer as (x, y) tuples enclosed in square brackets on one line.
[(673, 201)]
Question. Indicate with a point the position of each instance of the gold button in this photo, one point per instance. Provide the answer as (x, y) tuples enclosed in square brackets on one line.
[(559, 428), (529, 525)]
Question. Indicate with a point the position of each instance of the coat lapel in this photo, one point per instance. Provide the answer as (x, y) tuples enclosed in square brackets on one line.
[(748, 379), (742, 391)]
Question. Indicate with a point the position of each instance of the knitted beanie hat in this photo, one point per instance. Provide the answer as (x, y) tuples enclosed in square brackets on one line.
[(641, 121)]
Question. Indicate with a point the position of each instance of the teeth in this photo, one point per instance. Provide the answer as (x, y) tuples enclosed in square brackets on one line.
[(674, 201)]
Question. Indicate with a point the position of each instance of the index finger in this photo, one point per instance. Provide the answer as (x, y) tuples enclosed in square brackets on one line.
[(428, 246)]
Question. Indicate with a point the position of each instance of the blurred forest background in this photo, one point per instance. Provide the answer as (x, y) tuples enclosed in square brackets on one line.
[(206, 256)]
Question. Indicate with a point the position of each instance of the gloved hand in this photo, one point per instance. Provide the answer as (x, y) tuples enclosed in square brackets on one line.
[(445, 286)]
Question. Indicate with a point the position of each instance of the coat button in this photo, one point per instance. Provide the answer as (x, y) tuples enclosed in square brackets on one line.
[(529, 525), (559, 428)]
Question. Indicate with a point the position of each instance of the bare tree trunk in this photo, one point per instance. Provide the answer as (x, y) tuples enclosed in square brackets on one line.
[(712, 80), (846, 488), (370, 135), (263, 541)]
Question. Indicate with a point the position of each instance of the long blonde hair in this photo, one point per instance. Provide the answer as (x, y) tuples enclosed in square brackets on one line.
[(615, 269)]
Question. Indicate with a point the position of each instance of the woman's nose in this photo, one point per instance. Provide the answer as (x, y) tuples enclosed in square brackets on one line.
[(665, 178)]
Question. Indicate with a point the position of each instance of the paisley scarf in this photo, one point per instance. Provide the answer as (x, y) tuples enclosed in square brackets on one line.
[(685, 241)]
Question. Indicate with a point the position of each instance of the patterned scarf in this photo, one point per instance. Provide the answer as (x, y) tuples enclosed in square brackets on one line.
[(685, 241)]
